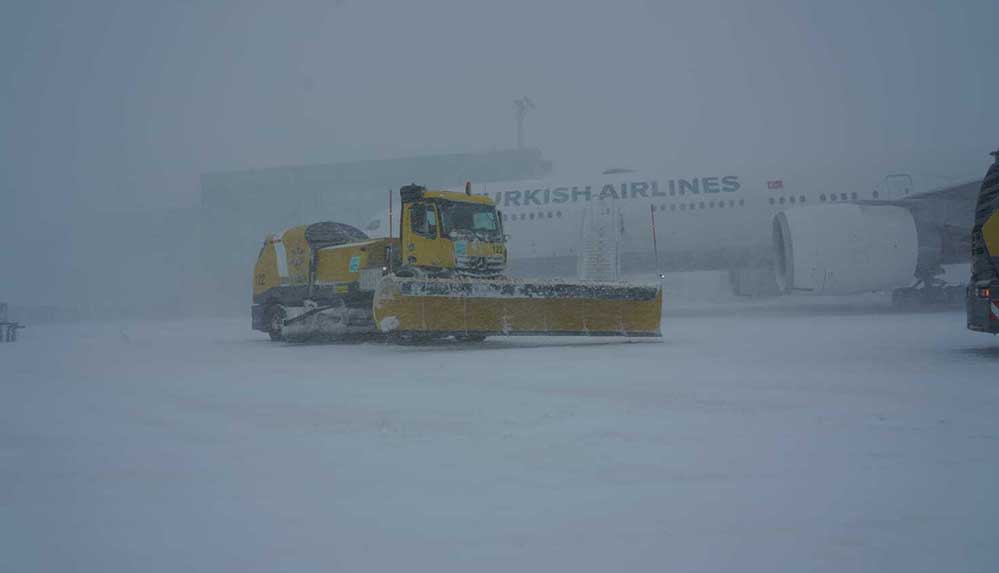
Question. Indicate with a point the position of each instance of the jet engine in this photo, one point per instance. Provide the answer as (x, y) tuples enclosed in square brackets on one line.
[(845, 249)]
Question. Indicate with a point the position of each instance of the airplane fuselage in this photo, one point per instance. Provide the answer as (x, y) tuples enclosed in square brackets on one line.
[(702, 223)]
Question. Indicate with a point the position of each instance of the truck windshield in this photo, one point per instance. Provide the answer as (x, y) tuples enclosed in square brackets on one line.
[(472, 217)]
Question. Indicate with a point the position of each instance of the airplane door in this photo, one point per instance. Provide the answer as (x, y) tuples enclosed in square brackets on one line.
[(897, 186)]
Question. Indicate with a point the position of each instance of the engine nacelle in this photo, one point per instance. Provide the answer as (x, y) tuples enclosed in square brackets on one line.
[(844, 249)]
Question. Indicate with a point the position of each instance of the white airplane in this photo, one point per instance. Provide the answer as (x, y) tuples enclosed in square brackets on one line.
[(773, 234)]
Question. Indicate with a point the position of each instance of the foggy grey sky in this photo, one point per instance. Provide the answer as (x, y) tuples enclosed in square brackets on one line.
[(120, 105)]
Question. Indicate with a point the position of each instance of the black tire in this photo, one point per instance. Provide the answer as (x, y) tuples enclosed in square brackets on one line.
[(905, 298), (470, 338), (412, 338), (411, 273), (955, 295), (274, 319)]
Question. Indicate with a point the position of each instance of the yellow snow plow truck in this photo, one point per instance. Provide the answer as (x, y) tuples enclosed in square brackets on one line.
[(982, 301), (443, 276)]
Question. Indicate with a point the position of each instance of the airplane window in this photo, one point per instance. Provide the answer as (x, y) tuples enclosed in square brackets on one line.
[(874, 194), (672, 207), (549, 214), (683, 207), (672, 192), (853, 195), (711, 204), (531, 216), (701, 205), (772, 201), (721, 204), (742, 202), (558, 213), (801, 199), (842, 196), (791, 199), (822, 197)]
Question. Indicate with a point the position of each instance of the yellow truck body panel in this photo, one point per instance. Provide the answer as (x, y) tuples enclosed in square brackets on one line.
[(990, 232), (298, 254), (265, 273)]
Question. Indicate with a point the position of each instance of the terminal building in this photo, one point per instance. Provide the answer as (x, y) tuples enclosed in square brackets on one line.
[(238, 208)]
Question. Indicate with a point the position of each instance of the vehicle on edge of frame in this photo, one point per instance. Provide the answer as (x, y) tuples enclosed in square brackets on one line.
[(442, 277), (983, 288)]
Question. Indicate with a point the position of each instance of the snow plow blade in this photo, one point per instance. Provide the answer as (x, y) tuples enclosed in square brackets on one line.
[(463, 307)]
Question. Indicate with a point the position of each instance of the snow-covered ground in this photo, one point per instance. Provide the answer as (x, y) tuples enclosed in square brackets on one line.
[(754, 437)]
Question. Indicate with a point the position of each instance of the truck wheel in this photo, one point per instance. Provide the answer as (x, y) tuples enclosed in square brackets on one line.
[(470, 337), (275, 322), (411, 273)]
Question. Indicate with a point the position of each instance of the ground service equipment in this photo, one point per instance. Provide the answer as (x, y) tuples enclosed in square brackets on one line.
[(983, 288), (443, 276)]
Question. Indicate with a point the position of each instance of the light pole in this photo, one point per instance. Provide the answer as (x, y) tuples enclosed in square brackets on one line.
[(520, 107)]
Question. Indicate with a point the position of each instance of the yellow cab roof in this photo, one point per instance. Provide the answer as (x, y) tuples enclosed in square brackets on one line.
[(459, 197)]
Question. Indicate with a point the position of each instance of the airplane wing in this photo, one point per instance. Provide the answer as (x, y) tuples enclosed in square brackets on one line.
[(949, 211), (967, 191)]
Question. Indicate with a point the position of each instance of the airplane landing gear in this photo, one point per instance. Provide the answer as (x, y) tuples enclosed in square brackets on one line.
[(929, 291)]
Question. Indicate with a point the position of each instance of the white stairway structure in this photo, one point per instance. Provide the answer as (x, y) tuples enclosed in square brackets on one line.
[(600, 243)]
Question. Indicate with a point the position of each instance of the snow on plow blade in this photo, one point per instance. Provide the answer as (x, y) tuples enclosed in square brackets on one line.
[(509, 307)]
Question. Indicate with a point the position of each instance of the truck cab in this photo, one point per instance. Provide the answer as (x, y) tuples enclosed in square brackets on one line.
[(451, 233)]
